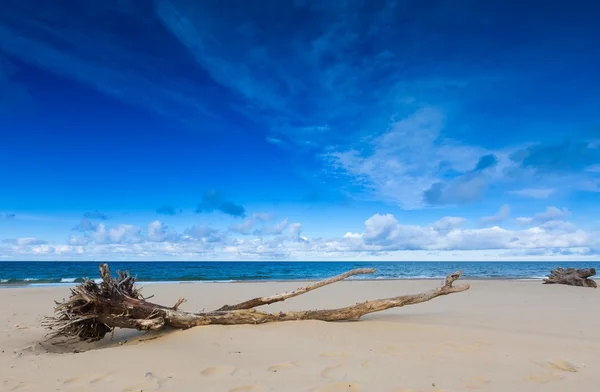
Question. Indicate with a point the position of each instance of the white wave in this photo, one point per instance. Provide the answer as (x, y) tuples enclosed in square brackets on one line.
[(30, 279), (67, 280), (420, 277), (50, 285), (186, 281)]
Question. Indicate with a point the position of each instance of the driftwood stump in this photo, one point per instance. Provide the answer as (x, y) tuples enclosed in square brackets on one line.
[(572, 277), (95, 309)]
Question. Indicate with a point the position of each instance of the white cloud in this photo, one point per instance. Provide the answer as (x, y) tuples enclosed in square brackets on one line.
[(547, 234), (24, 241), (74, 240), (275, 229), (384, 232), (500, 216), (593, 169), (243, 228), (591, 185), (204, 233), (410, 158), (247, 226), (115, 235), (535, 193), (524, 220), (550, 217), (295, 230), (159, 232), (552, 213)]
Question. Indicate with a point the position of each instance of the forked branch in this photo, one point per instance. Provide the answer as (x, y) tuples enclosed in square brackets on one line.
[(93, 310)]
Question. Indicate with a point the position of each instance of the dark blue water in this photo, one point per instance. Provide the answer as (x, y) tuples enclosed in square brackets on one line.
[(36, 273)]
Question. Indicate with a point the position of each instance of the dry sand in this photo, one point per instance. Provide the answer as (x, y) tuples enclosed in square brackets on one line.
[(499, 336)]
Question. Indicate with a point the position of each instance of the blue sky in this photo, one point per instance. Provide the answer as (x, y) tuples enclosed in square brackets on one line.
[(299, 130)]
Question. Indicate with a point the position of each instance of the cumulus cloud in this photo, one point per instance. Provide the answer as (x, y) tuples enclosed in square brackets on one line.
[(499, 217), (103, 234), (546, 234), (159, 232), (295, 231), (96, 215), (384, 232), (213, 201), (118, 234)]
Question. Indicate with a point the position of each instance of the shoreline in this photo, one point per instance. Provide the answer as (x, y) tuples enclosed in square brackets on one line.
[(279, 281), (9, 285)]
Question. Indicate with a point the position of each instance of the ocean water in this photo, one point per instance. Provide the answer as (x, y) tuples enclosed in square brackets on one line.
[(13, 274)]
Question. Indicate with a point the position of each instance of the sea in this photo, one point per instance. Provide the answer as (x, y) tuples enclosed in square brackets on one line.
[(35, 274)]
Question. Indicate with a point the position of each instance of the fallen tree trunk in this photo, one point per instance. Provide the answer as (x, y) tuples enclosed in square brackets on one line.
[(572, 277), (95, 309)]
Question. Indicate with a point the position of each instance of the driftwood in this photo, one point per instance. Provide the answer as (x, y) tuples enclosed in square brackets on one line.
[(95, 309), (572, 277)]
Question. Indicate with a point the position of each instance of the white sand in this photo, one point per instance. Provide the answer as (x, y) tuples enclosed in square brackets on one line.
[(504, 336)]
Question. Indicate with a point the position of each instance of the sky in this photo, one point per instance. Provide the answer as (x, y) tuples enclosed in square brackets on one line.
[(299, 130)]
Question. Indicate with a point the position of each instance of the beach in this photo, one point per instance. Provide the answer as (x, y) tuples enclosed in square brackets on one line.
[(501, 335)]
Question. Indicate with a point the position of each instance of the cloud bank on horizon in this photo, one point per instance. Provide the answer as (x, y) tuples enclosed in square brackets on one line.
[(174, 129)]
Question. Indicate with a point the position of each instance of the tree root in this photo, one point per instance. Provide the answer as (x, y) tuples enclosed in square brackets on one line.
[(572, 277)]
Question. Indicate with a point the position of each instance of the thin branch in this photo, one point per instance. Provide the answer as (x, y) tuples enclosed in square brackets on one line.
[(259, 301), (178, 303)]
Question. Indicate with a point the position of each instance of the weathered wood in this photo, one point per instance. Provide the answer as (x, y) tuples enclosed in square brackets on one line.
[(259, 301), (572, 277), (93, 310)]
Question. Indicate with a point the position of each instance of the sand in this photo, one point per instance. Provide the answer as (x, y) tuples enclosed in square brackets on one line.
[(498, 336)]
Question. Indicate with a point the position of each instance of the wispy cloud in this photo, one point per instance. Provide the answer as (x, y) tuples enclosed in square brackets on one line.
[(96, 215), (374, 92), (7, 216), (413, 165), (24, 241), (567, 156), (84, 42), (166, 210), (85, 225), (551, 214), (248, 226), (14, 96), (499, 217), (534, 193)]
